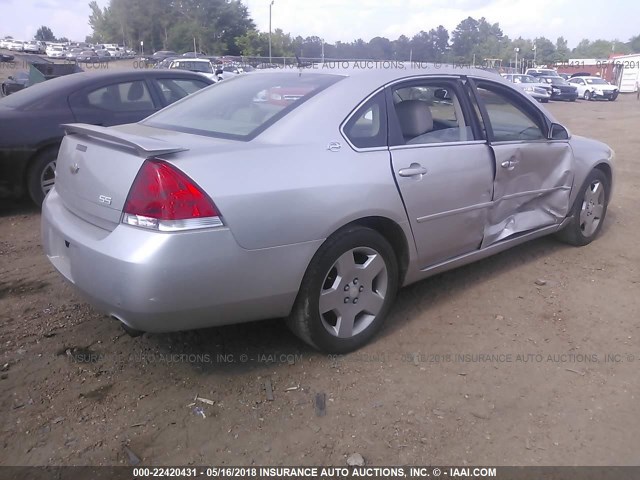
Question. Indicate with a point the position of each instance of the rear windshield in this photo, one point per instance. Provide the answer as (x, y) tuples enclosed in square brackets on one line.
[(242, 107), (194, 66)]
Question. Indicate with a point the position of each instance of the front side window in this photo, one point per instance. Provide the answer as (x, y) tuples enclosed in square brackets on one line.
[(509, 120), (242, 107), (430, 113)]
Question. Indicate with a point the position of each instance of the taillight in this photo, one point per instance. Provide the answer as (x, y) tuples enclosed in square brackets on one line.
[(165, 199)]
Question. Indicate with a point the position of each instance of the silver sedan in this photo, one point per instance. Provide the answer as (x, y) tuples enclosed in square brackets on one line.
[(313, 195)]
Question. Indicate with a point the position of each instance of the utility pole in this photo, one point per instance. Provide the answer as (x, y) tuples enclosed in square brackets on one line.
[(534, 54), (516, 50), (270, 5)]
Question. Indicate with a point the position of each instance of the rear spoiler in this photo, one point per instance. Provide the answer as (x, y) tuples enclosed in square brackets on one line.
[(144, 146)]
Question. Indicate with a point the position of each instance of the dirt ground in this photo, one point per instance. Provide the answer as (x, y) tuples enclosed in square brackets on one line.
[(481, 365)]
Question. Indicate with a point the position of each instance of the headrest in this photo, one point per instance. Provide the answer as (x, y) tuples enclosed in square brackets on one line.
[(415, 117), (136, 91)]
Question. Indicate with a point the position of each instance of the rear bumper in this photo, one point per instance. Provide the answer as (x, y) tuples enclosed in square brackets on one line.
[(160, 282)]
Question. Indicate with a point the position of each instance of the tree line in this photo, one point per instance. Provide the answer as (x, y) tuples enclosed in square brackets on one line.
[(224, 27)]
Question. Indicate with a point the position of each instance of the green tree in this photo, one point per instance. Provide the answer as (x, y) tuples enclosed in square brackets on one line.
[(44, 34), (545, 53), (562, 50), (464, 38), (401, 48), (634, 44), (380, 48), (172, 24)]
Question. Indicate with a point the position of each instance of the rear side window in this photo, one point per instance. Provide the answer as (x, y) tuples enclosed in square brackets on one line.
[(121, 97), (367, 128), (242, 107)]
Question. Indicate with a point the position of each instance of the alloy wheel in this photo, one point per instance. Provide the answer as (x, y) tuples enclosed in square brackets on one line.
[(48, 177), (592, 208), (353, 292)]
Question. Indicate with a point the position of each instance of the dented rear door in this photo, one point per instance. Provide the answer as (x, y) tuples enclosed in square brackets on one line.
[(533, 175)]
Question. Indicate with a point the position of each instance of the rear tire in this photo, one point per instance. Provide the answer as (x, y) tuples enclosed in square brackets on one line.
[(346, 292), (588, 212), (41, 174)]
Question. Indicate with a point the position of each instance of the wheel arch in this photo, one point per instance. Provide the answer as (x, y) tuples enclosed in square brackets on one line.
[(393, 233), (606, 169), (54, 144)]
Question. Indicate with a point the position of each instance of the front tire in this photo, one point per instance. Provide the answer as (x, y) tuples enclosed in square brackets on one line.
[(41, 175), (346, 292), (588, 211), (587, 95)]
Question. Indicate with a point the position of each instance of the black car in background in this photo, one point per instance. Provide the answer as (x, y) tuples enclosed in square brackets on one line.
[(159, 56), (560, 88), (30, 132), (14, 83)]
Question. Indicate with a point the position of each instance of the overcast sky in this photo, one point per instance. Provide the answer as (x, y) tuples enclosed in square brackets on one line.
[(347, 20)]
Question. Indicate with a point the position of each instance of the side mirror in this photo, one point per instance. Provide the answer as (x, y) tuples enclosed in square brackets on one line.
[(558, 132)]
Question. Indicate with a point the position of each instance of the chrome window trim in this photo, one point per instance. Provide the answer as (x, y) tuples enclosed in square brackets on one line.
[(351, 114), (378, 90), (438, 144)]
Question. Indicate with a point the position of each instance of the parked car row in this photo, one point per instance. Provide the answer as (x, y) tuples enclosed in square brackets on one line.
[(68, 51), (31, 46), (557, 87)]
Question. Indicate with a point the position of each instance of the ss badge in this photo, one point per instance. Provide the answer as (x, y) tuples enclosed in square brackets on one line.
[(104, 199)]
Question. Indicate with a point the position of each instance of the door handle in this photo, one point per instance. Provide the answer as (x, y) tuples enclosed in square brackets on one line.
[(415, 169), (509, 164)]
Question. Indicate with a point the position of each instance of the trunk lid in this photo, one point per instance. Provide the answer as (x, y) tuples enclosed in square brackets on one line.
[(96, 167)]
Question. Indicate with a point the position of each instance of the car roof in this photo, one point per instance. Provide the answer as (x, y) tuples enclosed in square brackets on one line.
[(67, 84), (192, 59)]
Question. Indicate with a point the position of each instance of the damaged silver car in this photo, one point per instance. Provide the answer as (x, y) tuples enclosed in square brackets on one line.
[(313, 195)]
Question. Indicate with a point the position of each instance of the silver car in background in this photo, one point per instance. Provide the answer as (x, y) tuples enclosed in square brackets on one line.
[(530, 85), (313, 195)]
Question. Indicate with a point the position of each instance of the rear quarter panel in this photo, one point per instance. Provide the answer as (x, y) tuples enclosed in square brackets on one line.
[(272, 195), (285, 186)]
